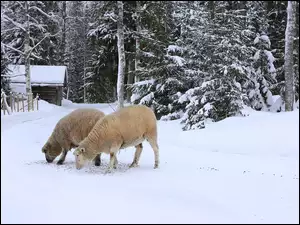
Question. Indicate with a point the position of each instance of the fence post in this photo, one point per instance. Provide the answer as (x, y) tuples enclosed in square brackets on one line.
[(10, 101), (28, 101), (18, 107), (23, 106), (2, 103), (14, 101), (32, 102), (37, 101), (8, 108)]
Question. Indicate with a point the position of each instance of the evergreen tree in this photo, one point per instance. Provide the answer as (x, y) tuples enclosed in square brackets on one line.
[(4, 70), (76, 40), (102, 48)]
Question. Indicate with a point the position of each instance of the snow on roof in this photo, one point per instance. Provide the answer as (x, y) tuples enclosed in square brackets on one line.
[(38, 74)]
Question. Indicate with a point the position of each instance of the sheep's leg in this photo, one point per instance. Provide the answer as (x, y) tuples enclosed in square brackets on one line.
[(138, 151), (115, 160), (62, 157), (154, 146), (97, 160), (111, 163)]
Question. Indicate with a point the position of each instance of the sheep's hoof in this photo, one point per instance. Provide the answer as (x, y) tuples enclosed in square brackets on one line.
[(155, 166), (108, 171), (60, 162), (132, 165), (97, 163)]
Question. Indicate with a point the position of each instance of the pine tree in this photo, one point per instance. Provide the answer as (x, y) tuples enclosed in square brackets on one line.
[(75, 48), (102, 49), (4, 70)]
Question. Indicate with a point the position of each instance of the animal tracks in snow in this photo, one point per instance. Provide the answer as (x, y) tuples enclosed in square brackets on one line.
[(90, 168)]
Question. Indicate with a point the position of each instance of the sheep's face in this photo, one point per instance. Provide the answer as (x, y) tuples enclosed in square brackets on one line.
[(80, 158), (51, 152)]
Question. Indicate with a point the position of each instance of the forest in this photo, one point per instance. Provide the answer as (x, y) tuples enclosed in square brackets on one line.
[(188, 60)]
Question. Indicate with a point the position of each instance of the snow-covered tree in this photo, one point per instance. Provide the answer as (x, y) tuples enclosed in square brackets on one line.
[(4, 70), (23, 33), (102, 64), (75, 49), (264, 76)]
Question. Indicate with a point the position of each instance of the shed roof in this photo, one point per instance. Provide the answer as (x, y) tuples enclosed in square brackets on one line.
[(39, 75)]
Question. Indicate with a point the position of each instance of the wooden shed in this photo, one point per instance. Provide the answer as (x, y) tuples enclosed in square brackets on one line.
[(47, 81)]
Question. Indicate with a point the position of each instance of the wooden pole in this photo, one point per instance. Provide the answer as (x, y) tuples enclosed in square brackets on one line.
[(32, 102), (23, 102), (2, 104), (10, 101), (28, 101), (14, 101), (18, 99), (37, 101)]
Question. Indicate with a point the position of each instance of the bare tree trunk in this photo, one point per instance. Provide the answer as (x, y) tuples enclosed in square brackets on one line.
[(121, 56), (129, 81), (63, 43), (27, 56), (63, 39), (288, 62), (137, 40), (84, 59)]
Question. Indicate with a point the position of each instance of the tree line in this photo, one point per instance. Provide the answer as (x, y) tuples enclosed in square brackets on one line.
[(188, 60)]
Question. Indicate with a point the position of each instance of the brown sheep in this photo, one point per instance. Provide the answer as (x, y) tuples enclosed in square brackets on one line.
[(129, 126), (69, 132)]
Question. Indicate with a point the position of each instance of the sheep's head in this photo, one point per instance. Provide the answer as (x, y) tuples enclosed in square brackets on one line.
[(80, 158), (51, 152)]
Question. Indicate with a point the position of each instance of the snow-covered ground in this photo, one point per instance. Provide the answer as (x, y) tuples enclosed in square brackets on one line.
[(239, 170)]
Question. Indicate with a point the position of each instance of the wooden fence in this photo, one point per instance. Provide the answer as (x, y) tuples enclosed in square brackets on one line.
[(18, 102)]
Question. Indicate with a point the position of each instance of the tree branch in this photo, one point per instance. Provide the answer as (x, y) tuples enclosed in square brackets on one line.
[(13, 48), (13, 22), (42, 12), (47, 35)]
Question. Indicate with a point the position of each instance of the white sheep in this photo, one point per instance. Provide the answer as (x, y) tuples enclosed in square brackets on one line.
[(69, 132), (129, 126)]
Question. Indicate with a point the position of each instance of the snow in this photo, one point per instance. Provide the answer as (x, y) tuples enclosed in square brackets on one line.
[(205, 83), (174, 48), (238, 170), (18, 88), (225, 70), (207, 107), (296, 104), (256, 40), (147, 98), (256, 55), (177, 59), (47, 75), (278, 104), (183, 98), (271, 60), (266, 39), (134, 97), (144, 82)]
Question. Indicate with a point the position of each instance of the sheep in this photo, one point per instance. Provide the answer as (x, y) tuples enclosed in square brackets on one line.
[(129, 126), (69, 132)]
